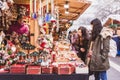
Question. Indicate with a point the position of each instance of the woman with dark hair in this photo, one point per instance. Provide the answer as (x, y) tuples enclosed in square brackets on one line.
[(99, 62), (97, 27), (75, 41), (83, 42), (69, 36)]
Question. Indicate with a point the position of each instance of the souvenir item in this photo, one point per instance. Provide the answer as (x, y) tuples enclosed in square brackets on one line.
[(32, 69), (18, 68), (64, 69), (47, 70), (47, 17)]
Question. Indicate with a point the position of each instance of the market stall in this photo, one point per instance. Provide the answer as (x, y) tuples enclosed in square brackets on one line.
[(115, 25), (43, 53)]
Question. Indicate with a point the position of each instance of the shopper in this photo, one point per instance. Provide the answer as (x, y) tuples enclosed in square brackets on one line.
[(69, 36), (75, 41), (99, 62), (20, 27), (83, 42)]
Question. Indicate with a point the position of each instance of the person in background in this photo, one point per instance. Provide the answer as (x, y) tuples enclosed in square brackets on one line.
[(69, 36), (83, 42), (99, 62), (20, 27), (75, 41)]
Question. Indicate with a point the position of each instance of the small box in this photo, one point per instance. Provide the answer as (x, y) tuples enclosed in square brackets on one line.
[(47, 70), (18, 68), (64, 69), (32, 69)]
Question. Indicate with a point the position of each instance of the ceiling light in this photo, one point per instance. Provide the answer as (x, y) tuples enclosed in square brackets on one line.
[(66, 5), (66, 12)]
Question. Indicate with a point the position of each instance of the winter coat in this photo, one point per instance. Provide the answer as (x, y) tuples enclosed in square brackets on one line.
[(99, 59), (81, 54)]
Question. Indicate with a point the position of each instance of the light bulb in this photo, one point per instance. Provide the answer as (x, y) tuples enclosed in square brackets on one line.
[(66, 6)]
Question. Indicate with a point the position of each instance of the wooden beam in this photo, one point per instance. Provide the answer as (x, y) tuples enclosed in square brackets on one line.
[(22, 1)]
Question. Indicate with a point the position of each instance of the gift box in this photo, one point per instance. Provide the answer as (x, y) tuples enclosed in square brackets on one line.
[(81, 70), (64, 69), (47, 70), (2, 66), (18, 68), (32, 69), (3, 71)]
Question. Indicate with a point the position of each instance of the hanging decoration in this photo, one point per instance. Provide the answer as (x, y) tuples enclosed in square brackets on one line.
[(52, 12), (40, 18), (47, 17), (34, 15)]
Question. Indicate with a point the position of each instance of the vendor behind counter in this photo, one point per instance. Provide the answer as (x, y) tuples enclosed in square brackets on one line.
[(20, 27)]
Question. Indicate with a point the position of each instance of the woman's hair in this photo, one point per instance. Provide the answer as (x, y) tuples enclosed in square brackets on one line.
[(70, 32), (97, 27), (20, 16), (84, 32)]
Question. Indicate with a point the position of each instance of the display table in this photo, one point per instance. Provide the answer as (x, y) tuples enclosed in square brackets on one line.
[(43, 77)]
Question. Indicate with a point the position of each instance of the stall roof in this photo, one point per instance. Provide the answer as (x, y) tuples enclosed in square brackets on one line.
[(76, 8)]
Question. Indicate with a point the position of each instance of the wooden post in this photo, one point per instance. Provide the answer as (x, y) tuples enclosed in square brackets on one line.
[(34, 28)]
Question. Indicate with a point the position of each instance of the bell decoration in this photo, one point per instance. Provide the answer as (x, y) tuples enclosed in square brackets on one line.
[(34, 15), (47, 17)]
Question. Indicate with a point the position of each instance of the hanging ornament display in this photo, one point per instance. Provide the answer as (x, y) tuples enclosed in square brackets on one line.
[(34, 15)]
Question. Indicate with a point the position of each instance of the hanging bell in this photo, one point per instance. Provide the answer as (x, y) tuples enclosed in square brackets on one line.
[(34, 15), (47, 18)]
